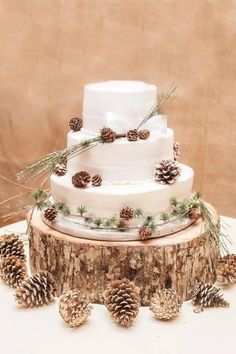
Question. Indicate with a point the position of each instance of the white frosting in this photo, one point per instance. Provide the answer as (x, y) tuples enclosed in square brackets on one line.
[(122, 160), (108, 200), (131, 100)]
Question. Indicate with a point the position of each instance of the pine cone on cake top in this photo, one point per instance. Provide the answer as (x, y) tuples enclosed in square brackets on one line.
[(107, 135), (143, 134), (166, 172), (81, 179), (37, 290), (74, 308), (132, 135), (13, 270), (207, 295), (176, 150), (76, 124), (122, 300), (127, 213), (60, 169), (96, 180), (194, 213), (145, 232), (165, 304), (50, 213), (226, 270), (12, 246)]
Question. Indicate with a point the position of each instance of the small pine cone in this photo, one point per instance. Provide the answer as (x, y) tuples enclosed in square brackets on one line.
[(60, 169), (12, 246), (166, 172), (76, 124), (207, 295), (74, 308), (132, 135), (37, 290), (96, 180), (13, 270), (194, 213), (144, 134), (122, 300), (176, 150), (226, 270), (145, 232), (127, 213), (165, 304), (107, 135), (81, 179), (50, 214)]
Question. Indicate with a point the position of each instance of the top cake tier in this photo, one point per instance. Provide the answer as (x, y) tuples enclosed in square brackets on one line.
[(121, 105)]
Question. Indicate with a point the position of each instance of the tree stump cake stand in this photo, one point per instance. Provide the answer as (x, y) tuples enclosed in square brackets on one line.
[(176, 261)]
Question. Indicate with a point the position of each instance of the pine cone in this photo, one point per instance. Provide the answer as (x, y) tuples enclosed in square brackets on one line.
[(165, 304), (144, 134), (122, 300), (50, 214), (226, 270), (74, 308), (176, 150), (12, 246), (145, 232), (132, 135), (60, 169), (13, 270), (194, 213), (206, 295), (166, 172), (107, 135), (76, 124), (81, 179), (37, 290), (127, 213), (96, 180)]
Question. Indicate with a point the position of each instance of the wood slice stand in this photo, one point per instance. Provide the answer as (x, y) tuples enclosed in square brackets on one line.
[(176, 261)]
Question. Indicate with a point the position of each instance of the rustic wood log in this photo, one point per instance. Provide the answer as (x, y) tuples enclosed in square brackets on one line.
[(176, 261)]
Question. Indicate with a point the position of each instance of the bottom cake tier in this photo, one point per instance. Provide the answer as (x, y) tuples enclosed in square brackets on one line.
[(176, 261)]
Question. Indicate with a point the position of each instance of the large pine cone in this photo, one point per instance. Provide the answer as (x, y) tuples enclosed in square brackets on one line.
[(165, 304), (37, 290), (143, 134), (13, 270), (166, 172), (206, 295), (76, 124), (132, 135), (122, 300), (74, 308), (50, 213), (81, 179), (107, 135), (127, 213), (60, 169), (226, 269), (12, 246), (176, 150), (145, 232)]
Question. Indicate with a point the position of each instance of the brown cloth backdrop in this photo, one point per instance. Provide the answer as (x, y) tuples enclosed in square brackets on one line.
[(51, 48)]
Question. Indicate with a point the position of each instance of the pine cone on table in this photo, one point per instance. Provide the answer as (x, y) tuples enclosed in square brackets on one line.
[(76, 124), (13, 270), (107, 135), (207, 295), (127, 213), (226, 270), (166, 172), (12, 246), (50, 213), (96, 180), (144, 134), (122, 300), (74, 308), (165, 304), (145, 232), (176, 150), (194, 213), (81, 179), (132, 135), (60, 169), (37, 290)]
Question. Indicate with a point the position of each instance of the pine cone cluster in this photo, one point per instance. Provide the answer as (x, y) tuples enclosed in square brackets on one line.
[(76, 124), (74, 308), (107, 135), (13, 270), (127, 213), (81, 179), (12, 246), (96, 180), (144, 134), (194, 213), (50, 213), (165, 304), (207, 295), (145, 232), (166, 172), (176, 150), (60, 169), (122, 301), (132, 135), (226, 270), (37, 290)]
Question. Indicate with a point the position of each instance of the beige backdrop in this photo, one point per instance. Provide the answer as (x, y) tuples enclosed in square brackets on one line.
[(51, 48)]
